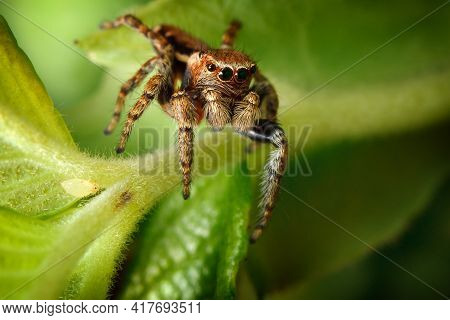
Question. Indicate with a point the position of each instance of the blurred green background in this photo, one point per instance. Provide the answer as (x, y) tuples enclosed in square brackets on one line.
[(378, 149)]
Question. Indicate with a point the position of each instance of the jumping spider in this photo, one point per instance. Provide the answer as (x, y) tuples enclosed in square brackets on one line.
[(223, 85)]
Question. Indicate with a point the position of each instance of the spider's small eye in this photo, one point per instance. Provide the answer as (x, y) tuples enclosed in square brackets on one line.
[(226, 74), (211, 67), (242, 75), (200, 54), (253, 69)]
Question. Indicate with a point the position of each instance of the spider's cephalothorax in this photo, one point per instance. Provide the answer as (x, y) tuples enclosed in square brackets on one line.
[(222, 85)]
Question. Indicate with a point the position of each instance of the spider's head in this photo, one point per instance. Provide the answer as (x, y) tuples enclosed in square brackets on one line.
[(225, 70)]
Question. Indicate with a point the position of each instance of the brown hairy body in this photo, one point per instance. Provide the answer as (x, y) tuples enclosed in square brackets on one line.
[(222, 86)]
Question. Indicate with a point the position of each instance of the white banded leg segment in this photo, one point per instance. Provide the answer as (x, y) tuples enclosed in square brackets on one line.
[(269, 132)]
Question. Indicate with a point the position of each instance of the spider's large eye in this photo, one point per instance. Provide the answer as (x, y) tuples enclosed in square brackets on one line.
[(226, 74), (211, 67), (242, 75)]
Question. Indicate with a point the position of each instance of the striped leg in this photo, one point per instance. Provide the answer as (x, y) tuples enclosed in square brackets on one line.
[(185, 115), (157, 84), (152, 89), (158, 41), (269, 132), (230, 34), (126, 88)]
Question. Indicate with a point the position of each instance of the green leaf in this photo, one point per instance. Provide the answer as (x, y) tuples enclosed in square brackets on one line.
[(41, 215), (23, 93), (30, 132), (192, 249), (63, 215)]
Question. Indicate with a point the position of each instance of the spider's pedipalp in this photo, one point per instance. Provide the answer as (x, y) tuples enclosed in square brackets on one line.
[(126, 88), (269, 132), (246, 112), (217, 109)]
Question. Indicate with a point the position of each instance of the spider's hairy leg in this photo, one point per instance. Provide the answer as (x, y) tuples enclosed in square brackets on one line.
[(152, 88), (246, 112), (269, 132), (126, 88), (230, 34), (268, 102), (268, 96), (185, 114), (158, 41)]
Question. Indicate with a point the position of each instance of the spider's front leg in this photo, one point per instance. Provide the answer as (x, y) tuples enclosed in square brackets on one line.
[(126, 88), (185, 114), (268, 131), (152, 89), (159, 86), (156, 87)]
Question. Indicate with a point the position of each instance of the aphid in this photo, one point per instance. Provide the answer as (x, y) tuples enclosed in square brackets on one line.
[(222, 85)]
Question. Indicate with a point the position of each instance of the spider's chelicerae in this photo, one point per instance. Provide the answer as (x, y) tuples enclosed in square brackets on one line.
[(222, 85)]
